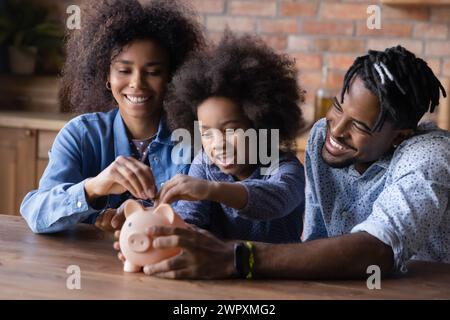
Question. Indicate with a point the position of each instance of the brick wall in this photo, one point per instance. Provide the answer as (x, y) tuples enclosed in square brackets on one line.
[(333, 33)]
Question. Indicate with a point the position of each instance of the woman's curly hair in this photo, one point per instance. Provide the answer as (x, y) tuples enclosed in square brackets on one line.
[(109, 25), (248, 72)]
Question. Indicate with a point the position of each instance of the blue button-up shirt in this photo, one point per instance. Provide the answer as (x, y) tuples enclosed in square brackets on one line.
[(402, 199), (82, 149), (274, 211)]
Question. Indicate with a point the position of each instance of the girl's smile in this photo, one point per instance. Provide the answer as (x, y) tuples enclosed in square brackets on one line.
[(219, 119)]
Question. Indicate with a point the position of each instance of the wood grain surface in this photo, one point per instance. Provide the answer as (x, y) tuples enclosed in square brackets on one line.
[(34, 267)]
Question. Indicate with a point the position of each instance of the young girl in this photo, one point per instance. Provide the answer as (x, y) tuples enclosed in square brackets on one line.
[(124, 55), (240, 84)]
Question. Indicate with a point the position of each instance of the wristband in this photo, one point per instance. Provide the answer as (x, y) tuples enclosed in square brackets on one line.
[(251, 260)]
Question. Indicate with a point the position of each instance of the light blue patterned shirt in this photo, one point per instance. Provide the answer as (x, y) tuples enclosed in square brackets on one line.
[(274, 209), (82, 149), (402, 199)]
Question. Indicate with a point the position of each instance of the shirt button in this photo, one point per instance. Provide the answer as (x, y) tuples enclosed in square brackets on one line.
[(79, 204), (162, 183), (156, 159)]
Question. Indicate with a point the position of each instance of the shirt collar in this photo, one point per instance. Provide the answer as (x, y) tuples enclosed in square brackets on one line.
[(164, 136), (122, 144), (384, 161)]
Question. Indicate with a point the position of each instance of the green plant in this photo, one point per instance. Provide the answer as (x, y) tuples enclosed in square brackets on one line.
[(24, 24)]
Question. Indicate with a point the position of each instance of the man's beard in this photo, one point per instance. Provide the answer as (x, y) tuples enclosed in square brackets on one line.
[(336, 164)]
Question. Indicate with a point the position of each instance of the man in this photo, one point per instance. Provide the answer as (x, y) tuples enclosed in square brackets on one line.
[(378, 187)]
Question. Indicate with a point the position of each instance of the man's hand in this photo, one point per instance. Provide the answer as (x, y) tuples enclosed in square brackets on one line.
[(202, 256)]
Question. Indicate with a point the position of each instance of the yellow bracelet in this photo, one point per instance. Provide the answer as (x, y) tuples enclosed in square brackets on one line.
[(251, 260)]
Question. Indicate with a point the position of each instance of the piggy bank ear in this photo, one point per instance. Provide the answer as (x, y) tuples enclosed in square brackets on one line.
[(165, 211), (131, 206)]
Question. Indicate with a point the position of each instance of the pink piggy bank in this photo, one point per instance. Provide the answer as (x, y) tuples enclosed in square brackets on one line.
[(135, 244)]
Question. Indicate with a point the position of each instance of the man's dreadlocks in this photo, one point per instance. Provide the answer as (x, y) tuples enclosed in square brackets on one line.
[(404, 84)]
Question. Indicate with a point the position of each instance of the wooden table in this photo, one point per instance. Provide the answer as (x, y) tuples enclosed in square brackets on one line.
[(34, 267)]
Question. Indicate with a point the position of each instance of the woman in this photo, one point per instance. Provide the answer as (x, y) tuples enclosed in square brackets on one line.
[(124, 55)]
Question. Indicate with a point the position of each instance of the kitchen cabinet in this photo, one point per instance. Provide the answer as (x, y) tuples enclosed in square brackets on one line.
[(44, 143), (25, 139), (17, 166)]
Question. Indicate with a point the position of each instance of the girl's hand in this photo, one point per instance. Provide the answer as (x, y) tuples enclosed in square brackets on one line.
[(125, 173), (183, 187)]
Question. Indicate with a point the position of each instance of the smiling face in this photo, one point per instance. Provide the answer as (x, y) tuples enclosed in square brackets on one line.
[(220, 118), (138, 77), (349, 137)]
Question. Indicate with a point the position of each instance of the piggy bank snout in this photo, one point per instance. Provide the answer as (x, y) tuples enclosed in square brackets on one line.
[(139, 242)]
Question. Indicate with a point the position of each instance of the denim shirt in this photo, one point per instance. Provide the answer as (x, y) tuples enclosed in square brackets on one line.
[(402, 199), (82, 149)]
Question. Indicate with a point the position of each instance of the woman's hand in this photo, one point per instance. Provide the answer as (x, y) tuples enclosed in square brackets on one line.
[(116, 246), (103, 221), (183, 187), (125, 173), (111, 220)]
